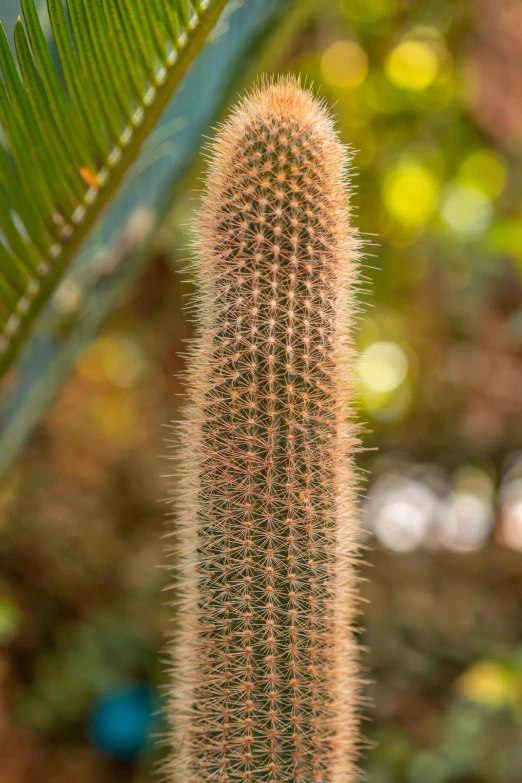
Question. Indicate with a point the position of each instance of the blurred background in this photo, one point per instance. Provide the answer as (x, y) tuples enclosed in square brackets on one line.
[(429, 96)]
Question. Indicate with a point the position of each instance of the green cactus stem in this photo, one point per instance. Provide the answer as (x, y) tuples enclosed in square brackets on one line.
[(266, 684)]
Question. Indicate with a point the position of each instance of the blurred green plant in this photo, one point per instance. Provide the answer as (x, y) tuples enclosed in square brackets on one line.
[(70, 143), (99, 653)]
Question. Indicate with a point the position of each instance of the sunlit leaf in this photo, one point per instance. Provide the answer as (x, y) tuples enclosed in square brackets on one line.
[(72, 128)]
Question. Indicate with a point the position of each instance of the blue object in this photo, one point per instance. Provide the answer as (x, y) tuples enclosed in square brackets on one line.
[(122, 721)]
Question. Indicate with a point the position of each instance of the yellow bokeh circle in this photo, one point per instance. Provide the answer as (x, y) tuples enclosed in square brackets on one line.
[(344, 64), (410, 193), (412, 65)]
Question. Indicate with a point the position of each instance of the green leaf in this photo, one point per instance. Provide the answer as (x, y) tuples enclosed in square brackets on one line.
[(44, 117), (73, 128), (105, 268), (55, 96)]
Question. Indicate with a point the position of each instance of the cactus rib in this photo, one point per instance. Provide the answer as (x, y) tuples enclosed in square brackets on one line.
[(267, 674)]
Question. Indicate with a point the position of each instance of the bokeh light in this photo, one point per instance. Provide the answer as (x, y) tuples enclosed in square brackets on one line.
[(465, 522), (344, 64), (410, 193), (512, 524), (399, 511), (383, 366), (466, 210), (484, 169), (114, 359), (412, 65), (511, 512), (489, 683)]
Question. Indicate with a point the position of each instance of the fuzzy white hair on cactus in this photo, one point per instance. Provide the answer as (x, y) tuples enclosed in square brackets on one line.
[(266, 683)]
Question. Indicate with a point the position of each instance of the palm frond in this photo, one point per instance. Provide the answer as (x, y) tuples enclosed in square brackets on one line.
[(250, 36), (71, 129)]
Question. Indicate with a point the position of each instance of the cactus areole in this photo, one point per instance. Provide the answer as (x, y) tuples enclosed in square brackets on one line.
[(265, 687)]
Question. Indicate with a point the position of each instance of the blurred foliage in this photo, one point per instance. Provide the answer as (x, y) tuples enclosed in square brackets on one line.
[(426, 95)]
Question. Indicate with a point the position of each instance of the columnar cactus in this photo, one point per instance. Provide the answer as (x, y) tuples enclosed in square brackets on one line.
[(266, 683)]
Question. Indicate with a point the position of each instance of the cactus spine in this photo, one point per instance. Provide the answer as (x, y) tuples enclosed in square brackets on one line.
[(266, 667)]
